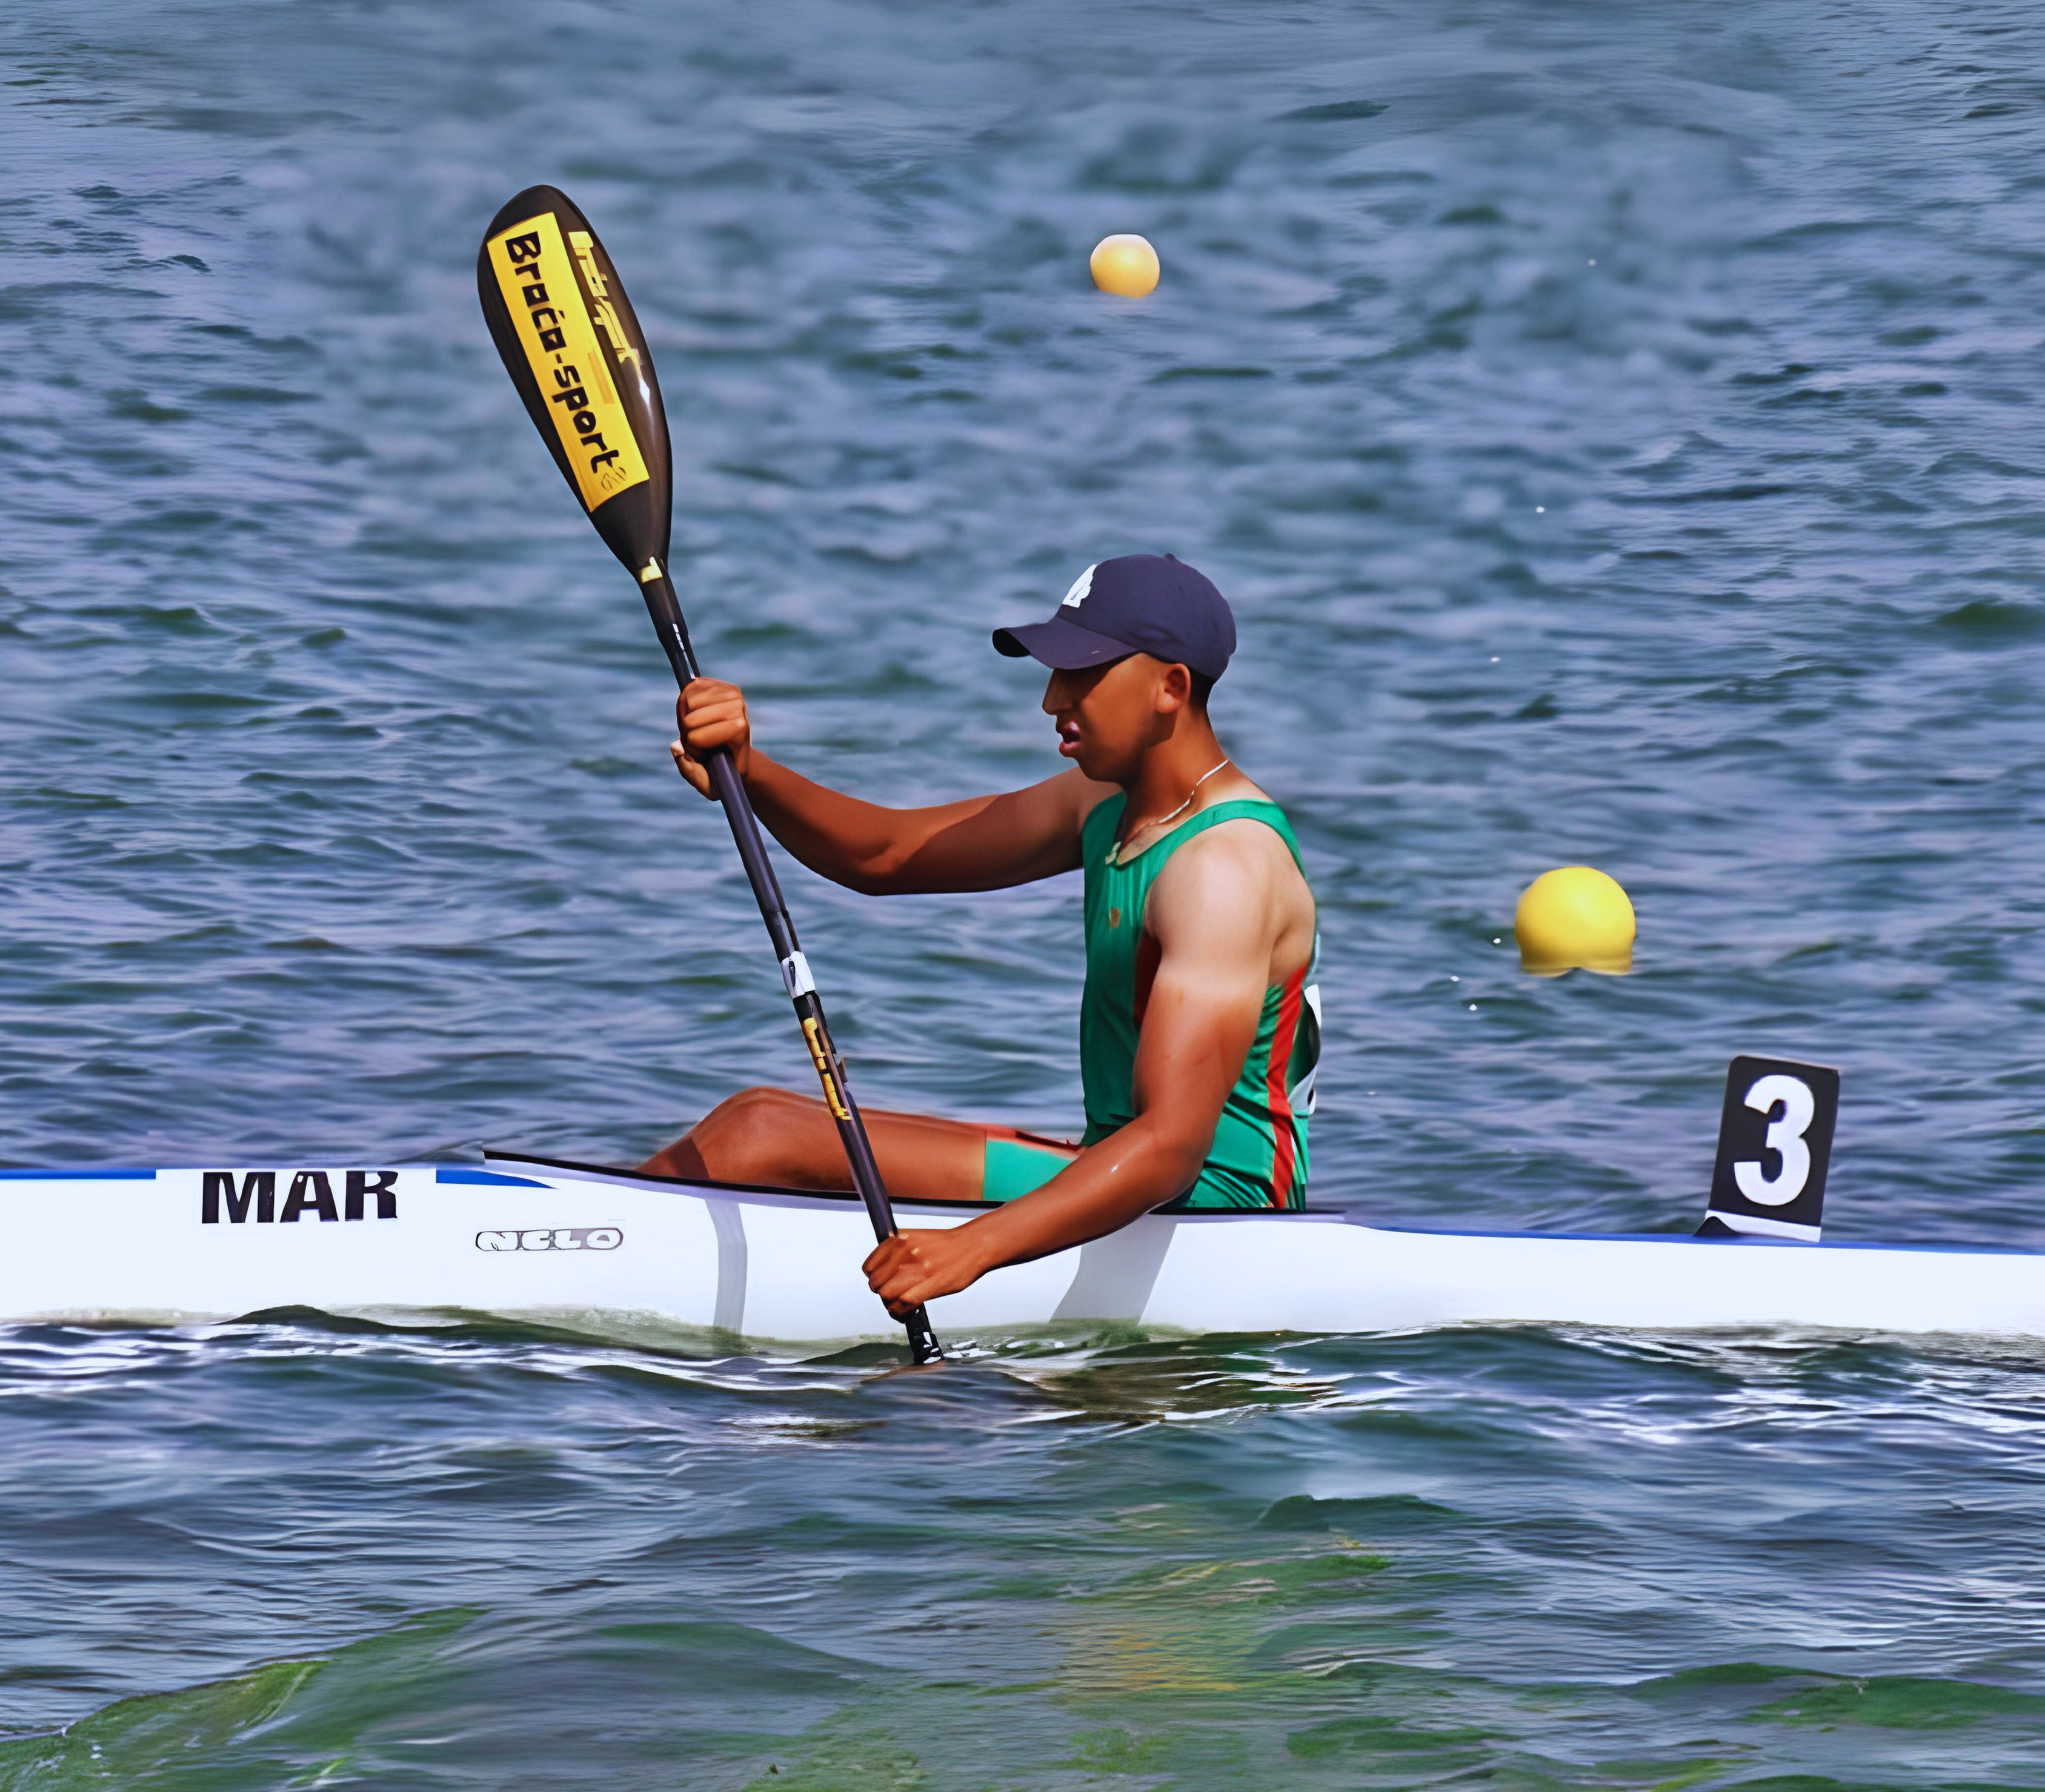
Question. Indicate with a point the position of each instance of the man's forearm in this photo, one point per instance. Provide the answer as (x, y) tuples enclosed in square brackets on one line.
[(1142, 1166)]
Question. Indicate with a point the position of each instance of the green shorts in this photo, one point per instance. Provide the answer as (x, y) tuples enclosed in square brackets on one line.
[(1013, 1167)]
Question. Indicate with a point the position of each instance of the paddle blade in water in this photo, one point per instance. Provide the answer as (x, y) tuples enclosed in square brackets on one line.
[(558, 313)]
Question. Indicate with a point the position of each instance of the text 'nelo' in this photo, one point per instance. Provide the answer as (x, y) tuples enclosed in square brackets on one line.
[(553, 1238)]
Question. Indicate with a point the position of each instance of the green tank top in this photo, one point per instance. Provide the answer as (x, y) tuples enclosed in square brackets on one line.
[(1258, 1158)]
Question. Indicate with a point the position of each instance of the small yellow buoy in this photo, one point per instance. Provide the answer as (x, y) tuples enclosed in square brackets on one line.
[(1575, 916), (1125, 265)]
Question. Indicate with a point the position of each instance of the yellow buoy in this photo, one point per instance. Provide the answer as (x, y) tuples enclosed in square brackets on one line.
[(1575, 916), (1125, 265)]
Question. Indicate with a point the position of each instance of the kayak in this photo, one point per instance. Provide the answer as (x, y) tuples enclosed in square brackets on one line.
[(523, 1236)]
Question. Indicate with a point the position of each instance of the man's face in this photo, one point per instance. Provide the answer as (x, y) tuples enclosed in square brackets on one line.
[(1109, 716)]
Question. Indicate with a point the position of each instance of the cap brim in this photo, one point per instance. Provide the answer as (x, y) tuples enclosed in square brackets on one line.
[(1060, 644)]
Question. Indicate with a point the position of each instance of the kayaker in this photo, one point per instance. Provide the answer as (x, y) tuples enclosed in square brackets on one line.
[(1199, 1027)]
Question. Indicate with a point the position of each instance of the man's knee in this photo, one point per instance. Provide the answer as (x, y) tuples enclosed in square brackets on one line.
[(759, 1112), (757, 1135)]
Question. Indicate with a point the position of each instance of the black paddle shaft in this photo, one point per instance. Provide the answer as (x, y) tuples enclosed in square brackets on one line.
[(558, 312), (666, 611)]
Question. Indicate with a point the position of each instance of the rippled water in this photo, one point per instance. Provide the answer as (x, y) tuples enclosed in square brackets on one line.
[(1617, 428)]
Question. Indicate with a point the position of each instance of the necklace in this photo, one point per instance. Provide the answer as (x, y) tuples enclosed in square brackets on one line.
[(1114, 851)]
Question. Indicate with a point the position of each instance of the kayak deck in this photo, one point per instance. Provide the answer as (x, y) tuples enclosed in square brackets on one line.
[(526, 1235)]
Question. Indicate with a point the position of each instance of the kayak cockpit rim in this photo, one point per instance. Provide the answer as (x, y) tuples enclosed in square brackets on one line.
[(762, 1191)]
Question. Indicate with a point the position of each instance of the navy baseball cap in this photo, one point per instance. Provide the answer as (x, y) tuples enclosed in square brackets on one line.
[(1141, 603)]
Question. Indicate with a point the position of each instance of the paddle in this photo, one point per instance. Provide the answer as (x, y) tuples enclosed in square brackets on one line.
[(558, 313)]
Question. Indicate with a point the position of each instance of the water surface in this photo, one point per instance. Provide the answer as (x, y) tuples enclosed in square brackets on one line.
[(1616, 427)]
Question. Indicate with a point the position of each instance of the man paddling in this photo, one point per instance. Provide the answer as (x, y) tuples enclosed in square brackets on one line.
[(1200, 1029)]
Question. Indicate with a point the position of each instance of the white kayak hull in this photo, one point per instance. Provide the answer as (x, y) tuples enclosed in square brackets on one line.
[(524, 1237)]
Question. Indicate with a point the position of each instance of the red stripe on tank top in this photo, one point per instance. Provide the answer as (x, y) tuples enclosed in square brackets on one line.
[(1285, 1146)]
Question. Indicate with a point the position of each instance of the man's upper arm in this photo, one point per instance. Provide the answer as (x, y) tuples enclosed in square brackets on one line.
[(1213, 914), (989, 843)]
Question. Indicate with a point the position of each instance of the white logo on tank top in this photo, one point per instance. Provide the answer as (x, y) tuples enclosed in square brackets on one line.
[(1301, 1094)]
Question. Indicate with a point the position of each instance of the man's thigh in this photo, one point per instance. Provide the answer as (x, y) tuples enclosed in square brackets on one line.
[(925, 1158), (778, 1137)]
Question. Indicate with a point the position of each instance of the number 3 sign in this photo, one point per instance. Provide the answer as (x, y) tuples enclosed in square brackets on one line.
[(1775, 1145)]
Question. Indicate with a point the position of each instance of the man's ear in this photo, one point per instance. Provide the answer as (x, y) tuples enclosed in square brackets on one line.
[(1174, 689)]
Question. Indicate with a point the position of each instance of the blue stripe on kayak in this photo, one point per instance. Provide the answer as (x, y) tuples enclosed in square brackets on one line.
[(78, 1176), (489, 1178), (1745, 1240)]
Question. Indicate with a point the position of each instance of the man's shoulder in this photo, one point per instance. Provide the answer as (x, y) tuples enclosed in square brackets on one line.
[(1240, 867), (1087, 793), (1090, 798), (1233, 898), (1240, 843), (1065, 799)]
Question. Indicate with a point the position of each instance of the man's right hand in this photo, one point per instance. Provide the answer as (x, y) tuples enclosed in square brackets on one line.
[(709, 713)]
